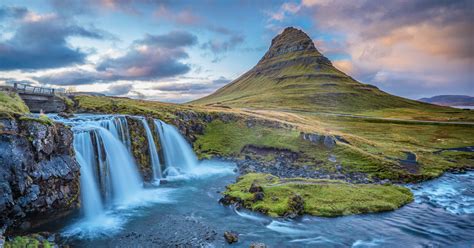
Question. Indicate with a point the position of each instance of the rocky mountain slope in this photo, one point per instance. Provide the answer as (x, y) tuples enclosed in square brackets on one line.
[(294, 75)]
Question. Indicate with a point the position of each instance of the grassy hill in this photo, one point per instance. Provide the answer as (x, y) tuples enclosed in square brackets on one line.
[(293, 75)]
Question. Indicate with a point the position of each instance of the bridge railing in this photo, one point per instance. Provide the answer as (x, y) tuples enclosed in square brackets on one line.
[(26, 88)]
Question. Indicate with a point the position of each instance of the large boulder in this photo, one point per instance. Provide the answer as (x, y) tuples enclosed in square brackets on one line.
[(39, 175)]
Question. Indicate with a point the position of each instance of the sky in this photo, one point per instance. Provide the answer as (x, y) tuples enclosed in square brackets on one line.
[(177, 51)]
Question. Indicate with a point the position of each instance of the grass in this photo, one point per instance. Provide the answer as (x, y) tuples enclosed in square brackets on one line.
[(43, 119), (113, 105), (27, 242), (376, 145), (11, 103), (327, 198)]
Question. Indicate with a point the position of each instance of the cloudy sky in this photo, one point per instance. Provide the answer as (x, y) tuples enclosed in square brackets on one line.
[(177, 51)]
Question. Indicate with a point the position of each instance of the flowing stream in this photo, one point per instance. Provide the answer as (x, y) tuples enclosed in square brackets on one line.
[(120, 210)]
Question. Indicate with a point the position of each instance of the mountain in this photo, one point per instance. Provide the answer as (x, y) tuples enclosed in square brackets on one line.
[(294, 75), (450, 100)]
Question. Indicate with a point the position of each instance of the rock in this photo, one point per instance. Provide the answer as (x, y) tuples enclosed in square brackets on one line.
[(329, 142), (39, 175), (258, 245), (295, 206), (258, 196), (66, 115), (231, 237), (255, 187)]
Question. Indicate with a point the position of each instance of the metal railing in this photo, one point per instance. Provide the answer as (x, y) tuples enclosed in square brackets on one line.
[(26, 88)]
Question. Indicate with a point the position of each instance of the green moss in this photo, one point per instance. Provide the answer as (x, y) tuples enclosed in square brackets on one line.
[(321, 197), (27, 242), (11, 103), (68, 102), (43, 119), (139, 147)]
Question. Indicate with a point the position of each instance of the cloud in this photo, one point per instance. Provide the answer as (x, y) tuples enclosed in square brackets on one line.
[(409, 48), (119, 89), (40, 42), (194, 88), (217, 46), (284, 10), (12, 12), (183, 17), (150, 58), (170, 40)]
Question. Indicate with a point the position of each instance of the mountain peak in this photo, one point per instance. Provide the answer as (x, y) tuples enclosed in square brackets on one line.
[(290, 40), (294, 75)]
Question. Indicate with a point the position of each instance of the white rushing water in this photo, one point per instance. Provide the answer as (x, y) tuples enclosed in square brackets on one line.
[(179, 156), (154, 159), (111, 185)]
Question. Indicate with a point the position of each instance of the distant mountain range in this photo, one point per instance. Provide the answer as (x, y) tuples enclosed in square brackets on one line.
[(450, 100)]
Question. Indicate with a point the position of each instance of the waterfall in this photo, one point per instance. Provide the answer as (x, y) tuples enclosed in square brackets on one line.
[(123, 172), (91, 201), (118, 126), (179, 156), (109, 174), (154, 159)]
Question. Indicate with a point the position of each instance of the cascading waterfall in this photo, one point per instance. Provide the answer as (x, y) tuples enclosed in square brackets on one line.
[(109, 174), (118, 126), (124, 175), (154, 159), (179, 156), (91, 200)]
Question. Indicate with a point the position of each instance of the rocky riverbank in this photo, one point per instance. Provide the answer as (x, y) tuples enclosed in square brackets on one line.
[(39, 175)]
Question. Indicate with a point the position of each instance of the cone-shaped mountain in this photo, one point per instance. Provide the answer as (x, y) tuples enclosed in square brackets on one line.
[(294, 75)]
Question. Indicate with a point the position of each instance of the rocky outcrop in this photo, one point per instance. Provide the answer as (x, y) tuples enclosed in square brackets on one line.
[(327, 141), (139, 146), (39, 175)]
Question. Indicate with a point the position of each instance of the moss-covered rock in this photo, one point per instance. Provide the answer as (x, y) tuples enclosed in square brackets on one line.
[(139, 146), (296, 196)]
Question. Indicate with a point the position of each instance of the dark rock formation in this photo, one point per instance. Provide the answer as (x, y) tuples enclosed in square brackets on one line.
[(286, 168), (258, 245), (139, 147), (231, 237), (328, 141), (295, 206), (39, 175)]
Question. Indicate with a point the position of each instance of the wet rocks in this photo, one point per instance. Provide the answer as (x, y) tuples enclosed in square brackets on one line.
[(231, 237), (38, 171), (258, 245), (66, 115), (139, 146)]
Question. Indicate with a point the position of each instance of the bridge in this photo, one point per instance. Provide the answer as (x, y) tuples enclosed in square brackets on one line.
[(48, 100)]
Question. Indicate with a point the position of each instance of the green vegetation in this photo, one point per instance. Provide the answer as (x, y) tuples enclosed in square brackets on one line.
[(11, 103), (69, 103), (321, 197), (43, 119), (115, 105), (27, 242)]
